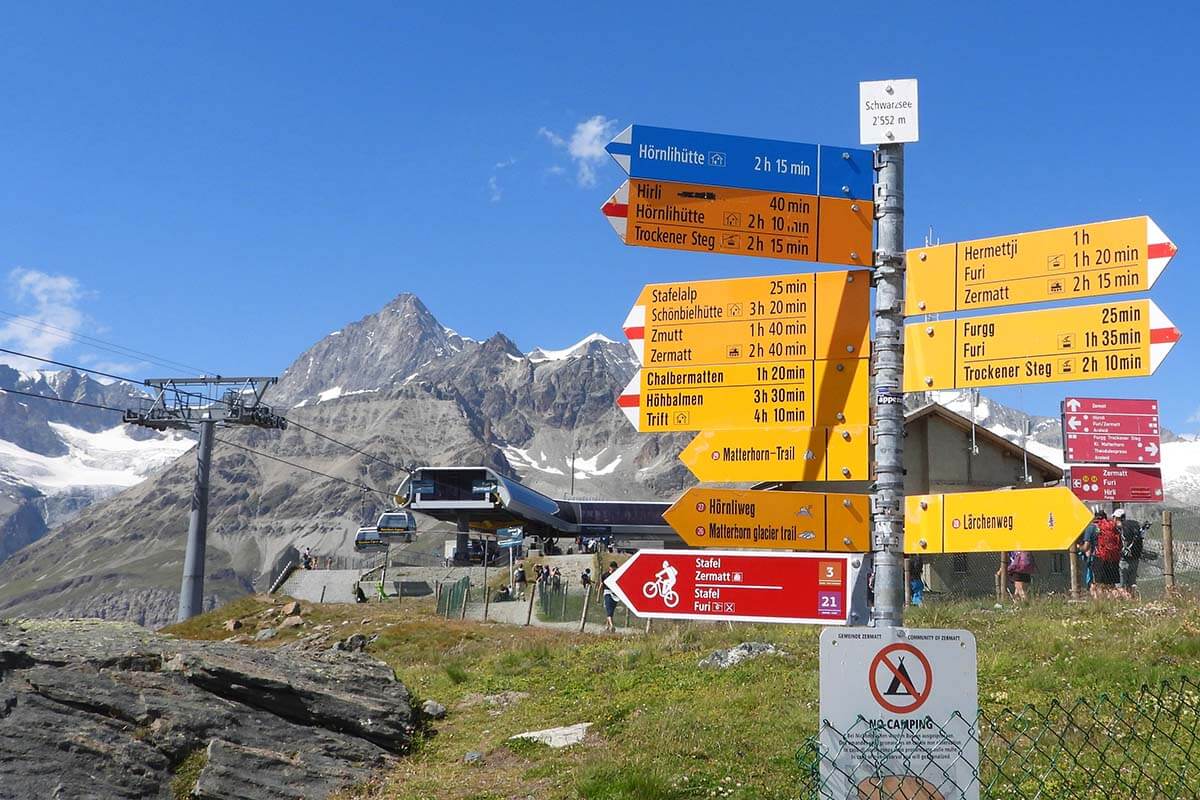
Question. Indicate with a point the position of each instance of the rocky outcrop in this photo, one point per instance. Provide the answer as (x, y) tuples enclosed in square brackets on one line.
[(110, 710)]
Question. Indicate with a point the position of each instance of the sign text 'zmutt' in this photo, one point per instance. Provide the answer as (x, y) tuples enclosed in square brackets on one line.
[(805, 315)]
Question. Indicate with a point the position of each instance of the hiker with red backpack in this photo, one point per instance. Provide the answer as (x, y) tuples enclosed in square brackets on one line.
[(1106, 569)]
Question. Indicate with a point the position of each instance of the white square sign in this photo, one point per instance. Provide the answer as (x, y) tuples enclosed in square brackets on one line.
[(900, 711), (887, 111)]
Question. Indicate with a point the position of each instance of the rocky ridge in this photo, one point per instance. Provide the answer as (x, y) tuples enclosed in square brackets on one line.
[(125, 710)]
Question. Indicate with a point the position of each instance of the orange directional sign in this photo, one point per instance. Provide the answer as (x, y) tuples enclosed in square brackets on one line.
[(746, 222), (743, 320), (1113, 340), (1093, 260), (779, 454), (982, 522), (775, 394), (772, 520)]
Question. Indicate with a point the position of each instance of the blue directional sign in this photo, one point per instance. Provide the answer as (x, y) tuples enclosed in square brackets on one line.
[(509, 543), (666, 154)]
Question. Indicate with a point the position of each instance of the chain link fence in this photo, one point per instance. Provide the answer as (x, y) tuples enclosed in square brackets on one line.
[(977, 575), (452, 597), (1143, 744), (565, 603)]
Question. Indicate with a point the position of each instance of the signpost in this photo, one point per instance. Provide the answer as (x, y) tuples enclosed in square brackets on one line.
[(1111, 430), (773, 394), (1092, 260), (779, 454), (1117, 484), (899, 707), (809, 588), (1122, 339), (985, 522), (771, 520), (766, 165), (806, 315), (1111, 448), (718, 219)]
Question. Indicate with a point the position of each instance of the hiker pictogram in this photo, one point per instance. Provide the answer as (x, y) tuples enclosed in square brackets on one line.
[(900, 678)]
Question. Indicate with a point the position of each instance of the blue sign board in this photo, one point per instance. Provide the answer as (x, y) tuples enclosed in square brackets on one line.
[(666, 154), (509, 543), (510, 533)]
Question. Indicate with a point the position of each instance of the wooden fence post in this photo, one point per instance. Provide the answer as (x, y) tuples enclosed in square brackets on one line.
[(532, 593), (1002, 577), (1168, 552), (587, 596), (466, 596), (1074, 567)]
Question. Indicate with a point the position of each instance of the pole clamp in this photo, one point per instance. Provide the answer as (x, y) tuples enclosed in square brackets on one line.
[(886, 258)]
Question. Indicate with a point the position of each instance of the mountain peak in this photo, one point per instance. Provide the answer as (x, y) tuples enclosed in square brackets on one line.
[(581, 347)]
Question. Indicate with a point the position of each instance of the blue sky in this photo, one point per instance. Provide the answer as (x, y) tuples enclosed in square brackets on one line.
[(224, 185)]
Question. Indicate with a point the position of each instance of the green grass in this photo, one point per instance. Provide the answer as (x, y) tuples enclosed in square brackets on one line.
[(188, 773), (664, 728)]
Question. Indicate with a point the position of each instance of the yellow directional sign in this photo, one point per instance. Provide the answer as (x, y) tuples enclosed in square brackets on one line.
[(746, 222), (981, 522), (806, 315), (788, 394), (782, 454), (1092, 260), (1113, 340), (772, 520)]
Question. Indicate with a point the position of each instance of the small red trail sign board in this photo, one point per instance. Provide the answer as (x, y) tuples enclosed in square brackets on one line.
[(1110, 430), (812, 588), (1117, 484)]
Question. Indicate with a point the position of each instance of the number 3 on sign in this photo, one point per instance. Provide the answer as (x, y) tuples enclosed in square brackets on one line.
[(829, 573)]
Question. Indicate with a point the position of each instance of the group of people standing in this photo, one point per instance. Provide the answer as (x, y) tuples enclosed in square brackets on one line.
[(1111, 550), (550, 579)]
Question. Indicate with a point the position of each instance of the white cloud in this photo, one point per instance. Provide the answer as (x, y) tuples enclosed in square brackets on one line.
[(48, 305), (495, 190), (585, 146), (1195, 417)]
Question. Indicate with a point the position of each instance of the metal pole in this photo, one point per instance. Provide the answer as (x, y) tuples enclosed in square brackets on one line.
[(888, 541), (1168, 552), (1073, 555), (191, 591), (487, 596)]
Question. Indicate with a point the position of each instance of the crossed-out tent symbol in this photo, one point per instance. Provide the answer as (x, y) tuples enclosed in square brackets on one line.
[(900, 678)]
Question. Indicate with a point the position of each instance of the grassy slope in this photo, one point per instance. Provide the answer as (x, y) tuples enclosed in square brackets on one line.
[(667, 729)]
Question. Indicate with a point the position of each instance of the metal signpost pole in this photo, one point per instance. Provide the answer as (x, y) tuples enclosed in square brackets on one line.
[(888, 541)]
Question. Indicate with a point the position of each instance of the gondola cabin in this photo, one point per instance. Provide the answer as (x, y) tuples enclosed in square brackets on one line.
[(368, 540), (396, 525)]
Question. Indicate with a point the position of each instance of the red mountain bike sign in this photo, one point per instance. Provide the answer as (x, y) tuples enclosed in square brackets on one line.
[(736, 585)]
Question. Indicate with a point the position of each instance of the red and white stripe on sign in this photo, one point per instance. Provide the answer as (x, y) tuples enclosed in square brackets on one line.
[(1163, 335), (635, 330), (1159, 251), (630, 399), (616, 209)]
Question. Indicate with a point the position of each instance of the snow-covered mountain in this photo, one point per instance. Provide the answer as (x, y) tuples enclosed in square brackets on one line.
[(56, 458)]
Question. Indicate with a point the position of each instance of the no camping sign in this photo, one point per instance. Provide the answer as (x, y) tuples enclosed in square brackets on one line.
[(899, 709)]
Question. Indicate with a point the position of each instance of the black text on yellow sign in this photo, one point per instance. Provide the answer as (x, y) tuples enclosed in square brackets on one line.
[(784, 394), (1111, 340), (1091, 260)]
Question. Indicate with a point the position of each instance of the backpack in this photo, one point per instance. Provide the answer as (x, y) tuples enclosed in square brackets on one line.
[(1022, 562), (1108, 542), (1131, 540)]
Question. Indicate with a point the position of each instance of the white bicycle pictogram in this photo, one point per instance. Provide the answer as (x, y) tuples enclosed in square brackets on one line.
[(654, 589)]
